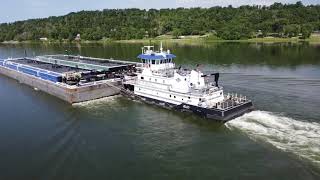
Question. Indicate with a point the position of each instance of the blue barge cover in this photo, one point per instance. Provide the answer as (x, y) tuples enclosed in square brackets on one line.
[(11, 65), (51, 76), (43, 74)]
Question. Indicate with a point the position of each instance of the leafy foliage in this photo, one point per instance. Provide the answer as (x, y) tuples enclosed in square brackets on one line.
[(227, 22)]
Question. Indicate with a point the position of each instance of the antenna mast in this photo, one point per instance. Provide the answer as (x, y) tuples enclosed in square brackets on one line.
[(161, 49)]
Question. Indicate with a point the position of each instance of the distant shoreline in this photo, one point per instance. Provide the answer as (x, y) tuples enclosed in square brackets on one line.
[(187, 40)]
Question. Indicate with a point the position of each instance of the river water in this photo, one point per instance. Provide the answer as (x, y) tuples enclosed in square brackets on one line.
[(42, 137)]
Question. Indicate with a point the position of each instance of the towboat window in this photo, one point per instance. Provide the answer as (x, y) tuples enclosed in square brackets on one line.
[(155, 80), (174, 96), (189, 97), (142, 77), (153, 61), (143, 61), (170, 95)]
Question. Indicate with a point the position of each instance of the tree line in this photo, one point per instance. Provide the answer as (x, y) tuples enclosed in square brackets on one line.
[(281, 20)]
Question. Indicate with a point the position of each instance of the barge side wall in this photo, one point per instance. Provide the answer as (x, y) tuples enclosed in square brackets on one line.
[(71, 95)]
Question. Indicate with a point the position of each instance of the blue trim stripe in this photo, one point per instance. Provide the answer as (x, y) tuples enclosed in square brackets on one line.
[(156, 57)]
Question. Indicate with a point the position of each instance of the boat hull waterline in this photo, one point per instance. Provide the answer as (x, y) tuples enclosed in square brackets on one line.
[(214, 114)]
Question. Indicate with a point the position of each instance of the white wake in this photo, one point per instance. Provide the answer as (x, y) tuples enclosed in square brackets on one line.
[(97, 102), (290, 135)]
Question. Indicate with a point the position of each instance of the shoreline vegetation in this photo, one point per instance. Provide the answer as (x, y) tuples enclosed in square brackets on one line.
[(248, 23), (314, 38)]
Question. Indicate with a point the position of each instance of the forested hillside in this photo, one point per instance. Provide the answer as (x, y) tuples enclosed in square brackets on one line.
[(226, 22)]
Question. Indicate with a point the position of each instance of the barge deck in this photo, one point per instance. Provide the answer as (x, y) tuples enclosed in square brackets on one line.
[(71, 78)]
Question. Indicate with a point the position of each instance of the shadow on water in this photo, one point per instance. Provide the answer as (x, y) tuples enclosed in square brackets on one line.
[(117, 102), (181, 116)]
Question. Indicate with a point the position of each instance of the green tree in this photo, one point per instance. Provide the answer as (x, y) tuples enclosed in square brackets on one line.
[(227, 22), (306, 31), (292, 30), (176, 33)]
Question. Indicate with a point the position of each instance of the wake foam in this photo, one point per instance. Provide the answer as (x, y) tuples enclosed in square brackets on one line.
[(290, 135), (97, 102)]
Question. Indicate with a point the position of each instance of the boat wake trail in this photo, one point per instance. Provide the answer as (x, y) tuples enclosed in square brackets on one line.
[(96, 102), (290, 135)]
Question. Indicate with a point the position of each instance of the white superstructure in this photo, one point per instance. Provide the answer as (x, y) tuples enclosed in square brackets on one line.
[(159, 79)]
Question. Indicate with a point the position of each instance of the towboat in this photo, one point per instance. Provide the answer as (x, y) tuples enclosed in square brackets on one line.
[(158, 81)]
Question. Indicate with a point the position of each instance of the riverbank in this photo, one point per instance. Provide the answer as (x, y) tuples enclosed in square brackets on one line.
[(182, 40), (208, 39)]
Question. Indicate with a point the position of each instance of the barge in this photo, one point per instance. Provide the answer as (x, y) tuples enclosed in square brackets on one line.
[(71, 78)]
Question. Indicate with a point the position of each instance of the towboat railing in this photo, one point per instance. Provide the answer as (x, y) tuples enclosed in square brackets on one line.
[(232, 100)]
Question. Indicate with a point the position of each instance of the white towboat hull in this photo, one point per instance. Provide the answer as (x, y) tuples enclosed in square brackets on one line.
[(220, 115)]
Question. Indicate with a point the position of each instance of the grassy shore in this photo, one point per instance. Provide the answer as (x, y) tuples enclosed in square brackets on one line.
[(183, 40), (201, 39)]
